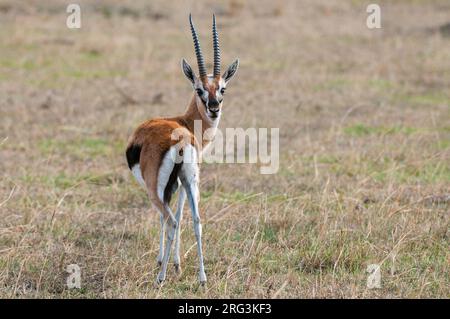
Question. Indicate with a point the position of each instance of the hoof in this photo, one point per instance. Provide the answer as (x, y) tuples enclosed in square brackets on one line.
[(202, 279), (202, 286), (161, 278), (159, 282)]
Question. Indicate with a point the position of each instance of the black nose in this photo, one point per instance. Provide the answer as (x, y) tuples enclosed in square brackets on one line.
[(213, 105)]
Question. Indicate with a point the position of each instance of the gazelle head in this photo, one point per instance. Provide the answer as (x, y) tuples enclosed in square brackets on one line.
[(209, 88)]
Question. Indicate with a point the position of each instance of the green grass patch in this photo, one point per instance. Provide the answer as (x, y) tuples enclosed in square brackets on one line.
[(432, 98), (443, 144), (206, 195), (249, 197), (333, 84), (238, 197), (91, 55), (429, 173), (271, 262), (64, 180), (381, 84), (345, 253), (26, 65), (322, 159), (359, 130), (57, 71), (269, 233), (387, 169), (80, 148)]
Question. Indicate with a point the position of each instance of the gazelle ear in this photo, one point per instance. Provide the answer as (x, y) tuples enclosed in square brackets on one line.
[(187, 70), (231, 71)]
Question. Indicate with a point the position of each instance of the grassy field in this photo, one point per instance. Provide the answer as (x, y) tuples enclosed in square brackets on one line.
[(364, 174)]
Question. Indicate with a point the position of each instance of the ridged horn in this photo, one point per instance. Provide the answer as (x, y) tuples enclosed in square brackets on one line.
[(216, 72), (198, 51)]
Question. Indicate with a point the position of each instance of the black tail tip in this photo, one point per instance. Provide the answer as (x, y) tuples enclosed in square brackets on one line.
[(133, 155)]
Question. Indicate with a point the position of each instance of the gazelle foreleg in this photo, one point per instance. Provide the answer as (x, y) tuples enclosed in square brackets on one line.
[(178, 217)]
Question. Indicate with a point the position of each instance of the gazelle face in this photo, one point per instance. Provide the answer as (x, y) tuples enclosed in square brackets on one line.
[(209, 89), (210, 93)]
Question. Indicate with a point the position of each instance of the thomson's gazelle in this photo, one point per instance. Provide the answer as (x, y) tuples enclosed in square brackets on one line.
[(161, 162)]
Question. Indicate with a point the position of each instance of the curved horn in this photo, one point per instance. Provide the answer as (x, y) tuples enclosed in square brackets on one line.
[(216, 49), (198, 51)]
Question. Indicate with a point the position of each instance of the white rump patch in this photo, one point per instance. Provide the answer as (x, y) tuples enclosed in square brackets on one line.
[(136, 170)]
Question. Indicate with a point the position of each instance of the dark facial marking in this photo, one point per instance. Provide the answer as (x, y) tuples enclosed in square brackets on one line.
[(213, 103)]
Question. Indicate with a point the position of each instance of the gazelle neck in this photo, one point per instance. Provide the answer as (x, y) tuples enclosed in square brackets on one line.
[(196, 112)]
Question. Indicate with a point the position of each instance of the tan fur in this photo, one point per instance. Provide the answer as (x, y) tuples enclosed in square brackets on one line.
[(212, 88), (152, 147), (155, 138)]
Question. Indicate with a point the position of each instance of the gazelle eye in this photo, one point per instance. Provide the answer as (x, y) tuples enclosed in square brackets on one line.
[(222, 91), (199, 92)]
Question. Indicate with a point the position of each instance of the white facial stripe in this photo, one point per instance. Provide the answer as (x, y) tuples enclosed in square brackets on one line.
[(205, 95)]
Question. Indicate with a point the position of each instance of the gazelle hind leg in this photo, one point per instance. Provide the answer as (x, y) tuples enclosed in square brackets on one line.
[(189, 177), (178, 217), (169, 224), (192, 194), (170, 227), (161, 201)]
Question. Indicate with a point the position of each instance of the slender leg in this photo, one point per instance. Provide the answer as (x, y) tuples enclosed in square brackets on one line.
[(193, 195), (171, 227), (178, 217), (161, 240)]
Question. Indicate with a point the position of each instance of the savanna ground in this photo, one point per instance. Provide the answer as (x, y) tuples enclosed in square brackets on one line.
[(364, 172)]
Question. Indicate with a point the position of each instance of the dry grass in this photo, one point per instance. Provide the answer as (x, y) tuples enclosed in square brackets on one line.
[(364, 175)]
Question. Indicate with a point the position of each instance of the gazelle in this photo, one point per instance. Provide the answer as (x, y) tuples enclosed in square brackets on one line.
[(161, 161)]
